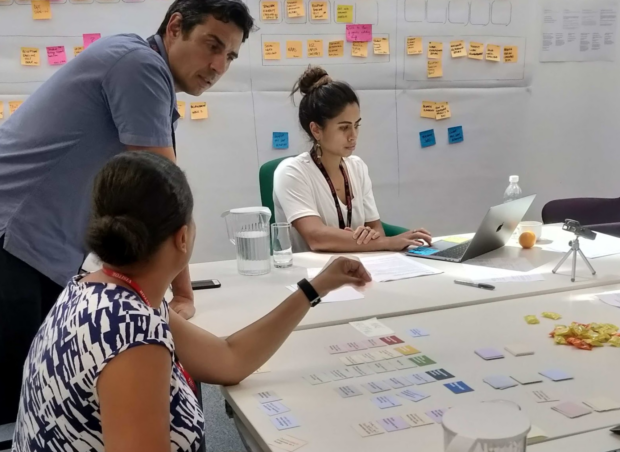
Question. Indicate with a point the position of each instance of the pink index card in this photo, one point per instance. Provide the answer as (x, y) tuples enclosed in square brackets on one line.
[(89, 38), (359, 32), (56, 55)]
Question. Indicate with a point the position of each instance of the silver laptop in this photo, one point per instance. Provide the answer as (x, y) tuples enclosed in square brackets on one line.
[(494, 232)]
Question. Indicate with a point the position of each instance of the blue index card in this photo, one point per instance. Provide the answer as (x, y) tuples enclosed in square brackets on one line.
[(280, 140), (455, 134), (458, 387), (427, 138)]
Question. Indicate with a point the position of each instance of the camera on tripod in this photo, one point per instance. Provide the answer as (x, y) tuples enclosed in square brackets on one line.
[(580, 231)]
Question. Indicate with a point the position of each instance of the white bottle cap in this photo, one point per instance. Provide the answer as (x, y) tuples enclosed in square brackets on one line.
[(513, 179)]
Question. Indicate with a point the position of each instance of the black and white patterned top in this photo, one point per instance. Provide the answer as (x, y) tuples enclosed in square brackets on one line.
[(89, 325)]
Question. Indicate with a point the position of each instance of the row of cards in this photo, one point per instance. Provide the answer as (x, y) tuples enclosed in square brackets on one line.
[(372, 343), (396, 423)]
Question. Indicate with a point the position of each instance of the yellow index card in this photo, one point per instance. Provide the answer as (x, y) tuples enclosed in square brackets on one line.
[(442, 111), (295, 8), (314, 48), (30, 56), (434, 69), (41, 10), (493, 53), (435, 50), (14, 105), (319, 10), (270, 10), (414, 46), (271, 50), (476, 51), (428, 109), (293, 49), (457, 49), (381, 46), (359, 49), (344, 14), (77, 51), (199, 110), (335, 49), (407, 350), (511, 54), (181, 108)]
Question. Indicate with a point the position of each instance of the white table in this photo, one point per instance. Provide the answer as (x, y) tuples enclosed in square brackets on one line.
[(243, 299), (326, 418)]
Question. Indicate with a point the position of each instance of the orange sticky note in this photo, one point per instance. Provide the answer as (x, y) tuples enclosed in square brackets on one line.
[(457, 49), (319, 11), (293, 49), (381, 46), (30, 56), (407, 350), (359, 49), (1, 110), (434, 69), (435, 50), (335, 49), (199, 110), (14, 105), (41, 10), (511, 54), (270, 10), (271, 50), (428, 109), (414, 46), (181, 108), (344, 14), (442, 110), (493, 53), (314, 48), (476, 51), (295, 8), (77, 50)]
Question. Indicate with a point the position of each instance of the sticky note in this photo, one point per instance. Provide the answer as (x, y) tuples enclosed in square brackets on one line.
[(525, 378), (365, 429), (295, 8), (284, 422), (439, 374), (428, 111), (393, 424), (435, 50), (372, 343), (56, 55), (340, 374), (382, 367), (319, 11), (348, 391), (489, 353), (434, 69), (30, 56), (273, 408), (442, 111), (359, 49), (407, 350), (476, 51), (363, 370), (335, 49), (421, 378), (556, 375), (314, 48), (288, 443), (437, 414), (381, 46), (359, 32), (458, 387), (418, 419), (403, 363), (419, 332), (271, 50), (500, 381), (14, 105), (77, 50), (601, 404), (356, 346), (427, 138), (293, 49), (391, 340), (269, 10), (414, 46), (519, 349), (344, 14), (511, 54), (41, 10), (413, 395), (455, 135), (89, 38), (198, 110), (1, 110), (376, 386), (493, 53), (267, 396), (398, 382), (384, 402), (571, 410), (318, 379), (280, 140), (181, 108), (457, 49)]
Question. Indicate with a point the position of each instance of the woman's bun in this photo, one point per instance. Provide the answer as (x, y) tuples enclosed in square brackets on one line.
[(312, 78), (119, 240)]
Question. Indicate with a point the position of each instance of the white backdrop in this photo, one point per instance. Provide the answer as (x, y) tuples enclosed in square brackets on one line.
[(554, 124)]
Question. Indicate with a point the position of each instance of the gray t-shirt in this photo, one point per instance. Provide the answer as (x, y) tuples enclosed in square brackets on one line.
[(116, 93)]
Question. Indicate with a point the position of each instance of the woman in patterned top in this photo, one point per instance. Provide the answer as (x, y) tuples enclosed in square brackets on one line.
[(104, 372)]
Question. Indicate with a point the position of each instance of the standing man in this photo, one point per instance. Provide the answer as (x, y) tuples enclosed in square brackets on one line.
[(118, 95)]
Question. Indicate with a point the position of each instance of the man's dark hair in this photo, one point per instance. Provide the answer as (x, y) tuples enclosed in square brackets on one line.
[(195, 11)]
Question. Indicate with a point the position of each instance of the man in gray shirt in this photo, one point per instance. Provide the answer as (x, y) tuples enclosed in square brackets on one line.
[(117, 95)]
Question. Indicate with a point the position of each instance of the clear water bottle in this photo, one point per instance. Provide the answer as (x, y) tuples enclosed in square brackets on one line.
[(513, 191)]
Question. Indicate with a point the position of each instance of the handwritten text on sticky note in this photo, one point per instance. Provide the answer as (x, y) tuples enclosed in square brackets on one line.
[(270, 10), (435, 50), (14, 105), (293, 49), (199, 110), (89, 38), (181, 108), (271, 50), (457, 49), (280, 140), (442, 111), (56, 55), (455, 134), (30, 56), (359, 32), (359, 49), (493, 53), (428, 109), (344, 14), (319, 11), (434, 69), (427, 138), (335, 49), (295, 8), (381, 46), (414, 46), (41, 10), (314, 48), (511, 54), (476, 51)]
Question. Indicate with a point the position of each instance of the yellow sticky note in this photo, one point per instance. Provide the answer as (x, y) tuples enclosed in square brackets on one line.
[(271, 50), (1, 110), (319, 10), (30, 56), (181, 108), (407, 350), (293, 49), (457, 49), (414, 46), (442, 111), (493, 53), (428, 109), (295, 8), (359, 49), (476, 51), (344, 14), (199, 110), (270, 10), (335, 49), (77, 50), (435, 50), (511, 54), (14, 105), (381, 46), (41, 9), (455, 239), (314, 48), (434, 69)]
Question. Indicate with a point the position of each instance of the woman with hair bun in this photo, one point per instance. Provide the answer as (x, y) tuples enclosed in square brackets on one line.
[(326, 193)]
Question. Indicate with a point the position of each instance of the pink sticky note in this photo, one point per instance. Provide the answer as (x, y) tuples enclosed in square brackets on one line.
[(56, 55), (89, 38), (359, 32)]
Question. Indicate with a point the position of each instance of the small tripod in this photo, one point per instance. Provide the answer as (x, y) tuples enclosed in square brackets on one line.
[(574, 244)]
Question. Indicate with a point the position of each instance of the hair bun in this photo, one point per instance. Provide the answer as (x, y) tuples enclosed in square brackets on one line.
[(312, 78), (118, 240)]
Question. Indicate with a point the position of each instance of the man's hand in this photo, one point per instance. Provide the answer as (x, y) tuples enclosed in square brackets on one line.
[(364, 234), (183, 306)]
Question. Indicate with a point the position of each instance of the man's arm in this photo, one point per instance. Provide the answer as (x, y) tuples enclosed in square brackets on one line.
[(166, 152)]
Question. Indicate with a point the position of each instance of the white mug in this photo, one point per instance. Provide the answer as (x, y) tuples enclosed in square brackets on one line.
[(533, 226)]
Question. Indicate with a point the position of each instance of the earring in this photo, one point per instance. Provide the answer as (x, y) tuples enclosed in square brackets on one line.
[(318, 150)]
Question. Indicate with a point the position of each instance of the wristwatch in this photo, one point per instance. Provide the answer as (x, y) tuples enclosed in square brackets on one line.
[(309, 292)]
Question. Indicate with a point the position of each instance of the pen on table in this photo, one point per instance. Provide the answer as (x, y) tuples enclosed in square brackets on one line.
[(473, 284)]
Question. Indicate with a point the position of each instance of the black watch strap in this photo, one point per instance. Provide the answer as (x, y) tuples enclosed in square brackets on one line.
[(312, 295)]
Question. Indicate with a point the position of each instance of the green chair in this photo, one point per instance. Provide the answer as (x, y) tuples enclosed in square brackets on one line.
[(265, 180)]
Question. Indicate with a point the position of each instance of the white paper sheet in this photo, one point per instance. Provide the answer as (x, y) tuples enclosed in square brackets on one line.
[(603, 245), (395, 266), (346, 293), (372, 328), (519, 264), (611, 298), (501, 270)]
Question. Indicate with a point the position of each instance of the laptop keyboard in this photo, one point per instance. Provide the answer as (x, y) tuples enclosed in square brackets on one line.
[(456, 252)]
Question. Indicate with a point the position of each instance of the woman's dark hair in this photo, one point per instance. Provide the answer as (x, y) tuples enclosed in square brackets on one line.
[(139, 200), (323, 99), (195, 11)]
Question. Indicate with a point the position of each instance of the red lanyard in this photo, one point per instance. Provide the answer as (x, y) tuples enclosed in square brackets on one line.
[(140, 292), (347, 192)]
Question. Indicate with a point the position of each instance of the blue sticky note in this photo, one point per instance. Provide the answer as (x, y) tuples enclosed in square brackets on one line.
[(458, 387), (455, 134), (418, 332), (280, 140), (556, 375), (427, 138)]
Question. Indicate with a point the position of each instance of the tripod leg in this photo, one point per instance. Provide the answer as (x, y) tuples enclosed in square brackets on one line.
[(585, 259), (572, 275), (557, 267)]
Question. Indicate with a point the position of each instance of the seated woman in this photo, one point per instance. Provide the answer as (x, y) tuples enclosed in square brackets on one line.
[(104, 372), (326, 194)]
